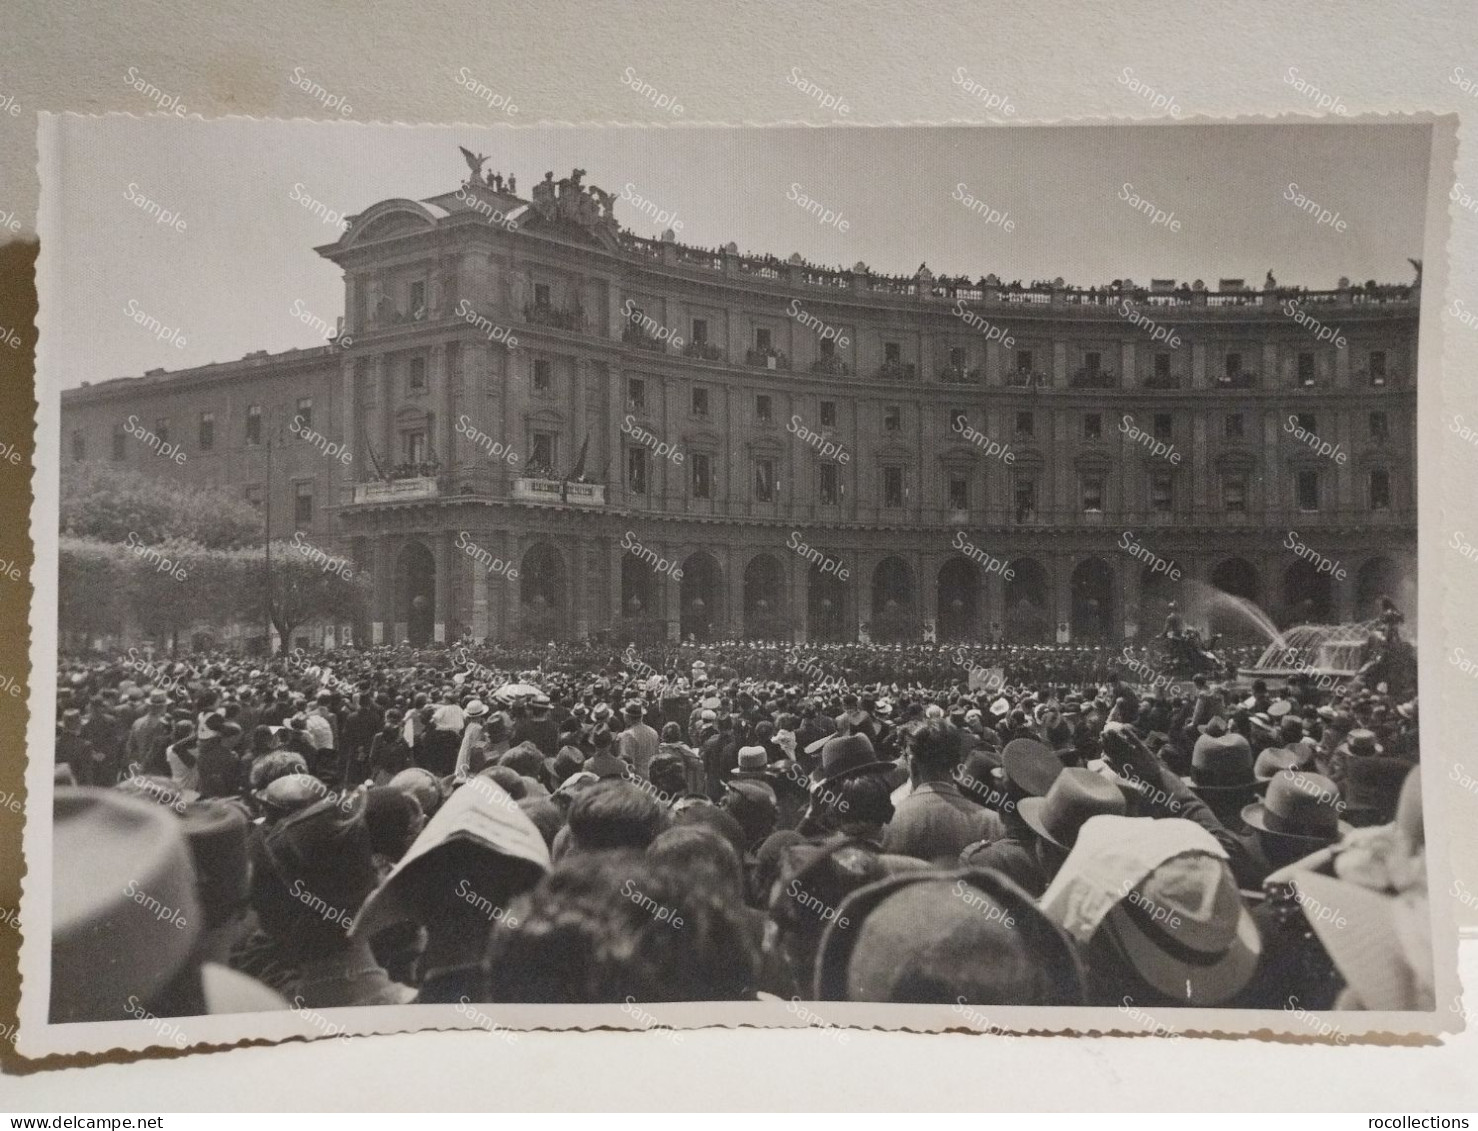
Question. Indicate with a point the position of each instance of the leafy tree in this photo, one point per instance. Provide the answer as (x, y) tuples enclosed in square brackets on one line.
[(306, 583), (108, 503), (91, 579)]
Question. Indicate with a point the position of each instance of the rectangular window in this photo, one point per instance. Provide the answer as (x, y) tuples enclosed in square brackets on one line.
[(207, 431), (957, 357), (764, 480), (892, 486), (253, 495), (702, 476), (762, 410), (636, 394), (1023, 361), (415, 378), (892, 352), (828, 414), (413, 446), (1026, 424), (959, 420), (541, 294), (1377, 367), (1305, 369), (893, 419), (1164, 426), (1380, 490), (542, 453), (120, 442), (1093, 494), (959, 492), (762, 338), (1233, 364), (1162, 365), (1234, 494), (79, 446), (828, 348), (305, 410), (1092, 361), (302, 503), (1162, 492), (418, 297), (541, 375), (1092, 426), (1380, 427), (161, 429), (831, 489), (1306, 484), (254, 424), (636, 470), (1306, 421), (1025, 494), (700, 401), (700, 331), (1232, 427)]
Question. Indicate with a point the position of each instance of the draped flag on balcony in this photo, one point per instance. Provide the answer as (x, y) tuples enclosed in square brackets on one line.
[(379, 472), (580, 463)]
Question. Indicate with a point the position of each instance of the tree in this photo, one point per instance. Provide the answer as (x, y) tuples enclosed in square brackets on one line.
[(91, 578), (306, 584), (110, 503)]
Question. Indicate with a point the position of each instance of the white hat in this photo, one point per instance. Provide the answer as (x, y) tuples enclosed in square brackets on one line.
[(475, 709)]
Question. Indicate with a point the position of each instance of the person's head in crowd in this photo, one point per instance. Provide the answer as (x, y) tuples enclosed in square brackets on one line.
[(310, 873), (934, 750), (614, 814), (423, 785), (546, 815), (1299, 813), (754, 805), (814, 880), (861, 806), (117, 861), (703, 854), (668, 775), (395, 819), (602, 928), (701, 811), (507, 779), (1154, 905), (273, 765), (672, 733), (986, 944), (1075, 796), (768, 860)]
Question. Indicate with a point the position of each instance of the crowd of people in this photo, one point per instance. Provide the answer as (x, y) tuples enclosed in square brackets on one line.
[(993, 825)]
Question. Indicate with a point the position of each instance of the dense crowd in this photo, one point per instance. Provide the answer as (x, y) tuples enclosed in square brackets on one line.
[(992, 825)]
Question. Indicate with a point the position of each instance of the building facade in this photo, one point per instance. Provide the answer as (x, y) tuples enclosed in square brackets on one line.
[(532, 423)]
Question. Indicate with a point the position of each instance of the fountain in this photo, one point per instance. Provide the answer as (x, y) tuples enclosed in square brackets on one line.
[(1325, 651)]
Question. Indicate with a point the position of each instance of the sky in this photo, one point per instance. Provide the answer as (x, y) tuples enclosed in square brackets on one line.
[(233, 275)]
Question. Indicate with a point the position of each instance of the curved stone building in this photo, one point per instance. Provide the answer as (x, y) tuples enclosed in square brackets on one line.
[(556, 428)]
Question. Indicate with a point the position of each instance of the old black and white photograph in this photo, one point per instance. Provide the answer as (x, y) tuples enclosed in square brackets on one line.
[(954, 576)]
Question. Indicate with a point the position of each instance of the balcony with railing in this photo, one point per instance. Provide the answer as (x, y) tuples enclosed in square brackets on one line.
[(550, 492), (1091, 378), (633, 334), (705, 351), (898, 371), (961, 375), (831, 366), (1027, 379), (1242, 379), (401, 489), (542, 314), (1162, 381), (766, 359)]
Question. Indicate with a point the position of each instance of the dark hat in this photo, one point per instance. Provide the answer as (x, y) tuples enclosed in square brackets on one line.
[(1301, 805), (1076, 795), (1222, 762), (1030, 766), (987, 943), (1372, 787), (1216, 725), (125, 914), (1362, 744), (847, 756), (217, 834), (1273, 761), (291, 793)]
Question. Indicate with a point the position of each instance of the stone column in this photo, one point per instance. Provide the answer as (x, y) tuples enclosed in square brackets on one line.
[(1059, 365), (613, 582), (443, 551), (349, 419), (1062, 597), (993, 604), (672, 592), (1129, 614), (481, 626)]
